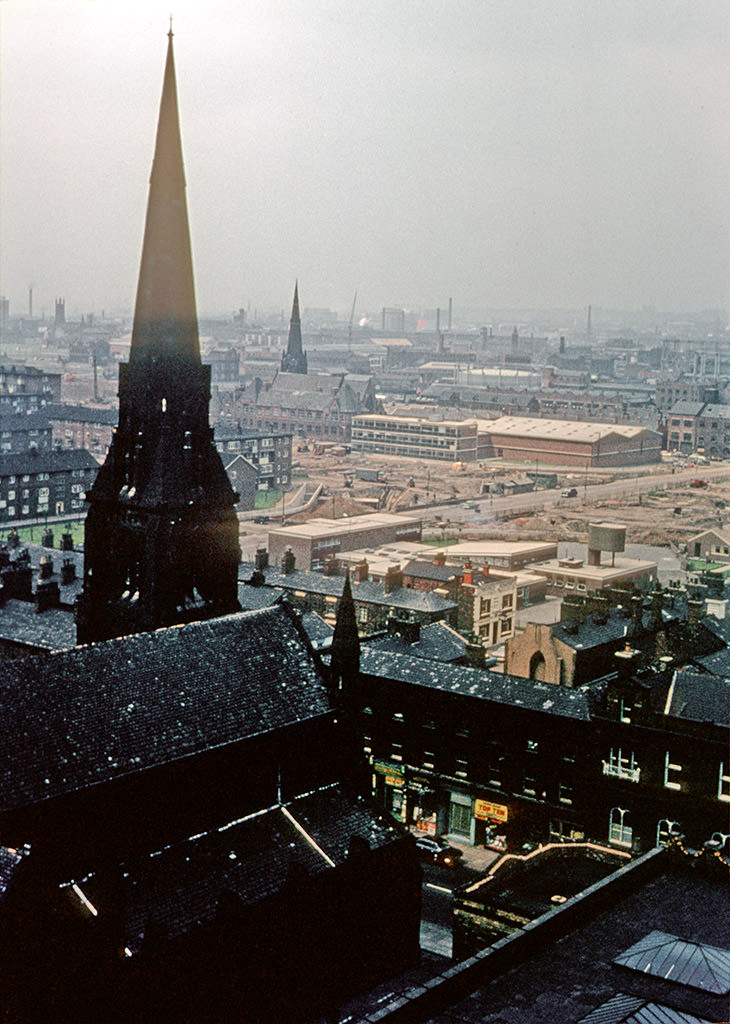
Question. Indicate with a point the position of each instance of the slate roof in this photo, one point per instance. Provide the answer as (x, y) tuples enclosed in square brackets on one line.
[(423, 570), (10, 861), (19, 421), (367, 591), (699, 697), (685, 408), (716, 412), (47, 462), (598, 629), (52, 630), (318, 631), (717, 664), (478, 683), (437, 642), (81, 717), (81, 414), (181, 887)]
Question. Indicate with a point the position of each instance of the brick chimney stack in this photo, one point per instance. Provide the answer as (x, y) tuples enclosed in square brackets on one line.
[(467, 574)]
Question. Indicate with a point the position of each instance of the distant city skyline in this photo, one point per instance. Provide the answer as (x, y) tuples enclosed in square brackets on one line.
[(504, 155)]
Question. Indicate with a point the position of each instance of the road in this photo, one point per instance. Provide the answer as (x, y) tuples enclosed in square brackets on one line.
[(491, 506), (437, 900)]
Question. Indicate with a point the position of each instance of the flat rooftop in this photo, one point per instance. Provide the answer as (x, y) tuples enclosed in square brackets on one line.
[(569, 430), (605, 573), (353, 524)]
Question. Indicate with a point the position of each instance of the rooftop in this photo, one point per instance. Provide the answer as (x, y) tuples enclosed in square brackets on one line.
[(147, 699), (478, 683)]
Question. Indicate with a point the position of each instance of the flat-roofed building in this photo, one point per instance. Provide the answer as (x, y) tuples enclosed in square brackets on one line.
[(570, 442), (566, 574), (414, 437), (314, 542)]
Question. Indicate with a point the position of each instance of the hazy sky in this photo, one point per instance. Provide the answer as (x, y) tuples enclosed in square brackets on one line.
[(501, 152)]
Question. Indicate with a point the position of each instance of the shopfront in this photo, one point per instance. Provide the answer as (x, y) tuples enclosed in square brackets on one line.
[(490, 824), (389, 787)]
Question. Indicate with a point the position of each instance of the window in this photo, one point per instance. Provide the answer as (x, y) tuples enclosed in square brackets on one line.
[(625, 709), (461, 768), (619, 827), (396, 752), (533, 746), (671, 773), (565, 792), (622, 765), (429, 759), (723, 782), (529, 782)]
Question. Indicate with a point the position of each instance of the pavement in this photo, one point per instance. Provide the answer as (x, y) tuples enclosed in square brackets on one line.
[(436, 938)]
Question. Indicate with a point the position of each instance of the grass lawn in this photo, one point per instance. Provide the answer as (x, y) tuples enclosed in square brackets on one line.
[(33, 534)]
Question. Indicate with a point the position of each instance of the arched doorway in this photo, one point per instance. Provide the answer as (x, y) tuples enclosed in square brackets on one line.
[(537, 666)]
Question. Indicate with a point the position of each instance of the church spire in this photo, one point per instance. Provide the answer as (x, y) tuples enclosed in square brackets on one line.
[(161, 539), (294, 360), (165, 316)]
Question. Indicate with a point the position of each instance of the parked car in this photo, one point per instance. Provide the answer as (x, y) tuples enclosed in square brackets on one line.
[(438, 851), (698, 483), (570, 492), (260, 519)]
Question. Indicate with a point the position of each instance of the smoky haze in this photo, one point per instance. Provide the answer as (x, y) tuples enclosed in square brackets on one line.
[(504, 152)]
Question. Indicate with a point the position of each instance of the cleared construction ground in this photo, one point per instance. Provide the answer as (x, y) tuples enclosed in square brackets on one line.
[(661, 516)]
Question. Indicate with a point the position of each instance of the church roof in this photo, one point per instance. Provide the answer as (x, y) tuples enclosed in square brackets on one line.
[(182, 886), (77, 718)]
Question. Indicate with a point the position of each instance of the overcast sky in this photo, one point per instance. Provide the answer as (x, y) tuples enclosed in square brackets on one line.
[(504, 153)]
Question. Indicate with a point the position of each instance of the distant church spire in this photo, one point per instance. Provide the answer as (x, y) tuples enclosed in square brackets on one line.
[(294, 360), (161, 541)]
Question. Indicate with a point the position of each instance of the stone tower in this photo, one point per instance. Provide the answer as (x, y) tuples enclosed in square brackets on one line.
[(294, 360), (161, 541)]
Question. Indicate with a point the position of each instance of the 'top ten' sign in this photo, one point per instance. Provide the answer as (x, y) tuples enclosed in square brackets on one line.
[(484, 810)]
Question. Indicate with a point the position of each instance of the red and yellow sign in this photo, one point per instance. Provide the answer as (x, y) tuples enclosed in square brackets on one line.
[(484, 810)]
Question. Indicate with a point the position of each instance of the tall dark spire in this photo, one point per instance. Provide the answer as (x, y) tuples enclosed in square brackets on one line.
[(294, 360), (161, 541), (345, 658)]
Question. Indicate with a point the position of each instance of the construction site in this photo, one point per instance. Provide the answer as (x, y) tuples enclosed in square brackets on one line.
[(662, 505)]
